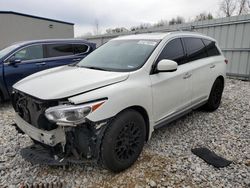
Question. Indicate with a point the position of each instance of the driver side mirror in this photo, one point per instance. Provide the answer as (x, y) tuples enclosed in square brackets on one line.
[(166, 65), (14, 61)]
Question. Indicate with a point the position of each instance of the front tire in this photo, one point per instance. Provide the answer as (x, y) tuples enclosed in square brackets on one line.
[(1, 100), (1, 97), (123, 141), (214, 99)]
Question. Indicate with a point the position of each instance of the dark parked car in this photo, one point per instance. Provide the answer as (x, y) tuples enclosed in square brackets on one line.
[(25, 58)]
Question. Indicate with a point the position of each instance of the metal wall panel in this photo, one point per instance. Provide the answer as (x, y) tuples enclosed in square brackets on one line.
[(16, 28), (232, 34)]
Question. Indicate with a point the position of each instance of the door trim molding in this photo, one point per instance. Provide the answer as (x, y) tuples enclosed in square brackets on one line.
[(177, 114)]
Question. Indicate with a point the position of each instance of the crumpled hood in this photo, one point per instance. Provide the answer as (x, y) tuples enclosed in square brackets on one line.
[(62, 82)]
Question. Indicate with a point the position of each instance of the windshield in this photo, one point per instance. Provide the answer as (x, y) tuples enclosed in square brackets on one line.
[(120, 55), (7, 50)]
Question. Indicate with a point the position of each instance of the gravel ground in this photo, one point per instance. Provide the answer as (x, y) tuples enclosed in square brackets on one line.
[(166, 160)]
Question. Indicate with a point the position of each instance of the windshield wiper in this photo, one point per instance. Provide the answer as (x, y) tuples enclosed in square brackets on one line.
[(73, 64), (95, 68)]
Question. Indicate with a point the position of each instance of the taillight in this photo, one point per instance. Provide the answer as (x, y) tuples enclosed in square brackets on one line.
[(226, 61)]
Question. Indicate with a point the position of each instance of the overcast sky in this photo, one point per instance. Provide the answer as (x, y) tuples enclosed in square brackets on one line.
[(110, 13)]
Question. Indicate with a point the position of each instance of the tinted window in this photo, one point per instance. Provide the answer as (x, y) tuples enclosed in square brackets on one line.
[(212, 50), (80, 48), (195, 49), (55, 50), (173, 51), (29, 53)]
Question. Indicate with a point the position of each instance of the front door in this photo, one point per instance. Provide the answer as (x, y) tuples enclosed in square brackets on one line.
[(171, 90), (30, 61)]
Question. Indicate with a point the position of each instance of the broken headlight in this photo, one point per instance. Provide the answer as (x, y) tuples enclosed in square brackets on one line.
[(70, 115)]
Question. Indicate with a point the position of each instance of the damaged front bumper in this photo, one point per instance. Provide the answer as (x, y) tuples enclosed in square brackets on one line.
[(55, 144), (50, 138), (63, 145)]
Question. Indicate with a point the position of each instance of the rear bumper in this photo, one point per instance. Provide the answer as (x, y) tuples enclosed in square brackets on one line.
[(50, 138)]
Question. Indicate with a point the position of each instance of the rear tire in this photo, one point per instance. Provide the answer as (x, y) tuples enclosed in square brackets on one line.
[(123, 141), (214, 99)]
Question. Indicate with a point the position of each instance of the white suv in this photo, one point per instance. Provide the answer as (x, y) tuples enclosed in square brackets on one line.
[(106, 106)]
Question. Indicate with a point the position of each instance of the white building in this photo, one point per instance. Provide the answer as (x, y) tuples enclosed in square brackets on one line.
[(20, 27)]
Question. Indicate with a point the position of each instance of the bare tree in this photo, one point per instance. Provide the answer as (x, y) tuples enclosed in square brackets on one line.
[(244, 6), (180, 20), (234, 7), (140, 27), (177, 20), (204, 16), (116, 30), (228, 7)]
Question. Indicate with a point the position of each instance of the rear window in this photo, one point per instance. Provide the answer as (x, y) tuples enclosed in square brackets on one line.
[(195, 48), (57, 50), (212, 50), (80, 48)]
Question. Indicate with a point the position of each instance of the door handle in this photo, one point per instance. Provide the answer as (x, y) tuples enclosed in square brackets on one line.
[(212, 66), (187, 75), (40, 64)]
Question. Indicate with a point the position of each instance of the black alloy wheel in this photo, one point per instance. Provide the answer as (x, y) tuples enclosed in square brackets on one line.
[(215, 95), (123, 141)]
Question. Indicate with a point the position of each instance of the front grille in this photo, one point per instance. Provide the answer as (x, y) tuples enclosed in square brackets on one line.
[(32, 110)]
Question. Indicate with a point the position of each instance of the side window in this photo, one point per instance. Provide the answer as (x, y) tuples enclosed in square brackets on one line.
[(29, 53), (195, 49), (173, 51), (80, 48), (57, 50), (212, 50)]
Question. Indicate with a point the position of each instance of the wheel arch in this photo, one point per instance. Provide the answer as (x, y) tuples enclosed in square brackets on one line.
[(222, 79), (145, 116)]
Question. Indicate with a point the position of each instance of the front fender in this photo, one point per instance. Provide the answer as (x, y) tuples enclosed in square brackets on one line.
[(131, 92)]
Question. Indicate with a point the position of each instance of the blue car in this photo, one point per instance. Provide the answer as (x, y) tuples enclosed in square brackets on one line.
[(25, 58)]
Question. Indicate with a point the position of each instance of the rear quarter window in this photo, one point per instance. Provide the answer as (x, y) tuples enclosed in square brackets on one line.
[(80, 48), (211, 48)]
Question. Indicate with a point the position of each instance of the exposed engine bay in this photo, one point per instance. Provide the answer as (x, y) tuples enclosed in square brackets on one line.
[(81, 142)]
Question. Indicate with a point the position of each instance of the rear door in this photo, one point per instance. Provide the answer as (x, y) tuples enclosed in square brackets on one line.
[(171, 90), (214, 56), (58, 54), (31, 61), (201, 77)]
